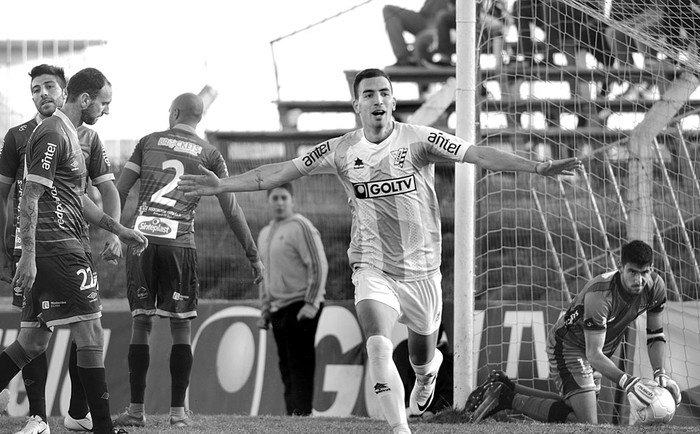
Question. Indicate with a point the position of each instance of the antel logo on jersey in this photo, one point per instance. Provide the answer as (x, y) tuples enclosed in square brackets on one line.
[(389, 187), (318, 152), (154, 227), (443, 142), (48, 156)]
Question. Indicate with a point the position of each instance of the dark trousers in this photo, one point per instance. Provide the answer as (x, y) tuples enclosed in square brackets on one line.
[(297, 355)]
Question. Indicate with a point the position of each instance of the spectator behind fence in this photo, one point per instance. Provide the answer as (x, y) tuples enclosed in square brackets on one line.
[(292, 295), (581, 343), (399, 20), (164, 280)]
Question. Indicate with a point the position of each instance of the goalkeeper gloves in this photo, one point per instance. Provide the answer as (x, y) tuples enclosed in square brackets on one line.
[(667, 382), (638, 394)]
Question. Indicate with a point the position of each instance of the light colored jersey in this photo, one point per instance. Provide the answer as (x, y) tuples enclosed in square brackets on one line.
[(391, 193)]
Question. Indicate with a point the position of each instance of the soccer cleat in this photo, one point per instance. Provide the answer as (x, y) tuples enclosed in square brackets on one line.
[(424, 390), (497, 397), (35, 425), (501, 377), (178, 422), (477, 395), (128, 419), (84, 424)]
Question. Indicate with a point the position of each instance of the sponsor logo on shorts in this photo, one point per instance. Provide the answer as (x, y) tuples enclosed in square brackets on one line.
[(156, 227), (45, 305), (92, 296), (142, 293), (179, 297), (389, 187)]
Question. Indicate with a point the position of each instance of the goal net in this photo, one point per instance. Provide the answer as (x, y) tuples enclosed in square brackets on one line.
[(615, 84)]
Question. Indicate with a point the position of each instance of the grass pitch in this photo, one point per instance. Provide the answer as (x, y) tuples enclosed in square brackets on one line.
[(443, 424)]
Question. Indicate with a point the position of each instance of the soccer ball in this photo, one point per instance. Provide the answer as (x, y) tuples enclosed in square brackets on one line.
[(661, 408)]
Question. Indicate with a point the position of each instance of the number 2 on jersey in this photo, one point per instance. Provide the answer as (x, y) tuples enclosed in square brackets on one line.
[(159, 196)]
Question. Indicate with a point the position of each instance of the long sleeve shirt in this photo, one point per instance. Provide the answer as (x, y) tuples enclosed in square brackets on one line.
[(295, 263)]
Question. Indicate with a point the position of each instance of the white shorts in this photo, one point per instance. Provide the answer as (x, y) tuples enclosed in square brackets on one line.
[(418, 303)]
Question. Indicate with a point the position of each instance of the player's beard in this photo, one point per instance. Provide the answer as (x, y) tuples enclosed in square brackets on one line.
[(88, 118)]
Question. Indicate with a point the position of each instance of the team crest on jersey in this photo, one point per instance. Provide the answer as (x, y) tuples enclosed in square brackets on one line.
[(180, 146), (359, 164), (399, 156), (384, 188), (22, 128)]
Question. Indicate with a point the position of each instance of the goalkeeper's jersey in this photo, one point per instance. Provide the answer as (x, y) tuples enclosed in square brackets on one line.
[(391, 194), (603, 304)]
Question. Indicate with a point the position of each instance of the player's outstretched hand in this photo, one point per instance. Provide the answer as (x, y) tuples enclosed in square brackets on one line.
[(136, 241), (566, 166), (258, 271), (112, 250), (206, 184)]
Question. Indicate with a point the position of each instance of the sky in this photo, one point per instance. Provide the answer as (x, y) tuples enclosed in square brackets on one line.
[(157, 49)]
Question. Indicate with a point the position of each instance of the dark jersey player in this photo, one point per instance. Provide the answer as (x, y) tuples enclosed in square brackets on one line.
[(48, 86), (54, 271), (582, 341), (163, 281)]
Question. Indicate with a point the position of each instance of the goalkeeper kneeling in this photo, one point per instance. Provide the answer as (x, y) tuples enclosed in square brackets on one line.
[(581, 343)]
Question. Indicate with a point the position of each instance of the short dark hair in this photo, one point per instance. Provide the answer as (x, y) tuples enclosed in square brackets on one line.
[(637, 252), (287, 186), (88, 80), (56, 71), (368, 73)]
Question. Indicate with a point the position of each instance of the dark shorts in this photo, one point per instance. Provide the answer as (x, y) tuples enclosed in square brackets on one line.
[(571, 371), (65, 291), (163, 281)]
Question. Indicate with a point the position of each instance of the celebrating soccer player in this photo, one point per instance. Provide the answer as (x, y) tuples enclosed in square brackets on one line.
[(387, 170)]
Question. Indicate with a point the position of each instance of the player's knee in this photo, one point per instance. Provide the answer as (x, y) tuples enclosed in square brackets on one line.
[(379, 348), (559, 413), (143, 324), (180, 329)]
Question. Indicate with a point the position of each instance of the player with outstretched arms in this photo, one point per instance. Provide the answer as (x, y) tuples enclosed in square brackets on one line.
[(387, 170)]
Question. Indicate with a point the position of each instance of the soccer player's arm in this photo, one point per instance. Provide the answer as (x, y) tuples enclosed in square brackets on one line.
[(656, 341), (9, 162), (136, 241), (237, 222), (494, 159), (263, 295), (130, 174), (310, 249), (596, 308), (28, 216), (102, 178)]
